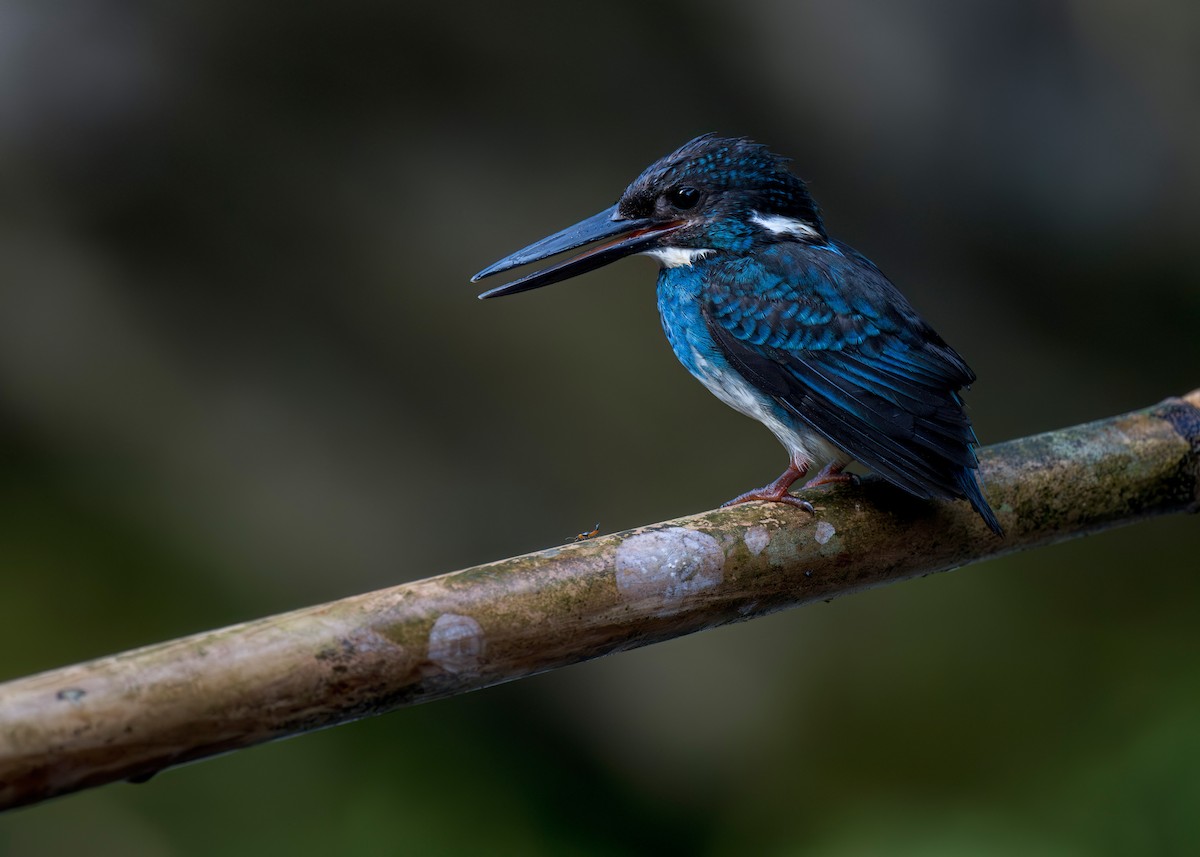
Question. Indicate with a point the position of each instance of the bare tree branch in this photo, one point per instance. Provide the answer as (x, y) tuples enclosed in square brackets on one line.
[(133, 714)]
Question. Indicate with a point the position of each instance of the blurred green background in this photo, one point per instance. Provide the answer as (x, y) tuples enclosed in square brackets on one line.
[(242, 371)]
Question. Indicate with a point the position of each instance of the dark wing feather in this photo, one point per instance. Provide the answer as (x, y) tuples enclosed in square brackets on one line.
[(827, 336)]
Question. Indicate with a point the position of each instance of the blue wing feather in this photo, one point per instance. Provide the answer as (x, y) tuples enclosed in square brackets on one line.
[(828, 337)]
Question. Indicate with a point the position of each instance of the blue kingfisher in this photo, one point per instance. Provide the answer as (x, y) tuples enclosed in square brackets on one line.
[(782, 322)]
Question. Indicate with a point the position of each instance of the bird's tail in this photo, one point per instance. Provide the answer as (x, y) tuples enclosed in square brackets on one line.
[(969, 482)]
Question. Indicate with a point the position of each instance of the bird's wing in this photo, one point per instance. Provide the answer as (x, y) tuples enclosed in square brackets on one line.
[(828, 337)]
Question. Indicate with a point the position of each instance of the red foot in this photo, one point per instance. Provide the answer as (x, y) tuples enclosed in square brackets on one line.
[(777, 491), (831, 474)]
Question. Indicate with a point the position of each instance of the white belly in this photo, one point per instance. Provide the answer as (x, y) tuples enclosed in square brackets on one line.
[(804, 446)]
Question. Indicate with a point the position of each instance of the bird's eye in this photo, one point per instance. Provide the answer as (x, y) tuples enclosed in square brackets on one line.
[(683, 197)]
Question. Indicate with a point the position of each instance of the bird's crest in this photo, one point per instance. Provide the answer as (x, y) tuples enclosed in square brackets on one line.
[(747, 174)]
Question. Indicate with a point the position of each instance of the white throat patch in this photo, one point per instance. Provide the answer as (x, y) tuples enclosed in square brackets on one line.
[(674, 257), (780, 225)]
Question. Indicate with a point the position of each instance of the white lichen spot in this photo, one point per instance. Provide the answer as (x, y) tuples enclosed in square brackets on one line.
[(668, 565), (456, 643), (823, 532), (757, 538)]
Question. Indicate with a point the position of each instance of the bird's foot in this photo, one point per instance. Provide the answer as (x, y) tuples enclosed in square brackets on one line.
[(769, 495), (777, 491), (831, 474)]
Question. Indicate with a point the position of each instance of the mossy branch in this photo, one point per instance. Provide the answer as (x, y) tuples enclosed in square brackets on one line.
[(133, 714)]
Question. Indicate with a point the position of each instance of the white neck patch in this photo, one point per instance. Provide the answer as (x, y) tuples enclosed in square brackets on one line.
[(675, 257), (777, 224)]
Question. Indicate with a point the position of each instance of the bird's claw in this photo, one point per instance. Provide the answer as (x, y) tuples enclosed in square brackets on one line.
[(793, 500)]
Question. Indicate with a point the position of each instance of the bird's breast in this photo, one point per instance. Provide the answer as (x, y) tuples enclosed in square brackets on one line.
[(680, 307)]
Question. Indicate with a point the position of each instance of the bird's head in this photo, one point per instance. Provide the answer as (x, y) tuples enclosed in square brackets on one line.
[(713, 194)]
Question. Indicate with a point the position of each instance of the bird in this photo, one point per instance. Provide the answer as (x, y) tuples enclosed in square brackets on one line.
[(782, 322)]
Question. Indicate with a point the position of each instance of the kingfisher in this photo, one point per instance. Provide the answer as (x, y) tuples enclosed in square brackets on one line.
[(782, 322)]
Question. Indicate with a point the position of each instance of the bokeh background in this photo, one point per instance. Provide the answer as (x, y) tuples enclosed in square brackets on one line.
[(242, 371)]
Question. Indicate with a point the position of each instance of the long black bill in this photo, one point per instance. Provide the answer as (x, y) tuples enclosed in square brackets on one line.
[(620, 237)]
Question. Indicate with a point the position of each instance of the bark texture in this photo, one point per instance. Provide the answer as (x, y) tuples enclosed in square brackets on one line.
[(130, 715)]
